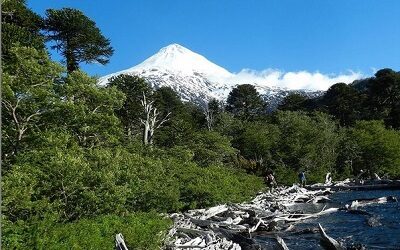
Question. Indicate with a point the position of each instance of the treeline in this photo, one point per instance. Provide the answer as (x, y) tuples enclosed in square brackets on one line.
[(348, 129), (82, 162)]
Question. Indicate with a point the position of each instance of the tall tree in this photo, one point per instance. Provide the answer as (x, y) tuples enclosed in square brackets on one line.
[(293, 102), (76, 37), (180, 124), (384, 93), (245, 102), (344, 102), (133, 87)]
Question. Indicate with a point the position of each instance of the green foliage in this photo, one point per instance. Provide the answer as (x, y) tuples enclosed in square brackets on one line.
[(257, 142), (27, 96), (74, 183), (374, 98), (384, 95), (19, 26), (88, 111), (134, 88), (211, 148), (76, 37), (204, 187), (59, 177), (245, 102), (344, 102), (180, 125), (228, 125), (140, 231), (307, 143), (378, 148), (293, 102)]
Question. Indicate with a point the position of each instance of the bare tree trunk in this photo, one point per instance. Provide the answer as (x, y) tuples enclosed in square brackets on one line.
[(209, 118), (150, 122)]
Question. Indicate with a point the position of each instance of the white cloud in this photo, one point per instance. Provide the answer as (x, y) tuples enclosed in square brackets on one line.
[(292, 80)]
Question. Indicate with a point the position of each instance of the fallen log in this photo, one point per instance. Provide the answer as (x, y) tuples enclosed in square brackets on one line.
[(299, 217), (327, 242), (362, 202), (194, 232), (243, 242), (281, 243)]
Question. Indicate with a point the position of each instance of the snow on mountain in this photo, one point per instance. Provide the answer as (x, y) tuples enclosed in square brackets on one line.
[(193, 77)]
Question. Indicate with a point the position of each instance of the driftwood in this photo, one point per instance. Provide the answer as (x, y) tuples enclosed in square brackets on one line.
[(327, 242), (375, 184), (281, 243), (120, 243), (232, 226), (363, 202)]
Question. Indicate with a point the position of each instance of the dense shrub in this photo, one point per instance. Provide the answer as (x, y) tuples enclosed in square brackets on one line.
[(76, 183), (377, 149), (140, 231)]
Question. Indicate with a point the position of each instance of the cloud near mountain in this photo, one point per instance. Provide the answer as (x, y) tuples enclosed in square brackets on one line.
[(293, 80)]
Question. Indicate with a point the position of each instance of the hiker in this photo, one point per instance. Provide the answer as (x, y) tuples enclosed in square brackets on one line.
[(302, 179), (270, 179), (328, 179)]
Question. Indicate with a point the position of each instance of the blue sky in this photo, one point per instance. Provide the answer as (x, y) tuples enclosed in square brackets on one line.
[(327, 36)]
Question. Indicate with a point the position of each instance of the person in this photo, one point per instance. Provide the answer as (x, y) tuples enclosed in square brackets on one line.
[(270, 179), (302, 179), (328, 179)]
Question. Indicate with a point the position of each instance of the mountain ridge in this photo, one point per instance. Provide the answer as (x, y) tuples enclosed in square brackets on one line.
[(195, 78)]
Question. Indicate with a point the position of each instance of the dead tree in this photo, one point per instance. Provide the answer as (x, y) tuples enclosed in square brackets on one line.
[(151, 122), (209, 118), (21, 121)]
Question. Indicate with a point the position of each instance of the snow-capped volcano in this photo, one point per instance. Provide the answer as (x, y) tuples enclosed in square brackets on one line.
[(192, 76), (178, 59)]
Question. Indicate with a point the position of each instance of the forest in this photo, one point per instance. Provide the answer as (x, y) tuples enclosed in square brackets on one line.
[(81, 162)]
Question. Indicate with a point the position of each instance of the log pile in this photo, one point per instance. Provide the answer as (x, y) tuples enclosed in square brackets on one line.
[(232, 226)]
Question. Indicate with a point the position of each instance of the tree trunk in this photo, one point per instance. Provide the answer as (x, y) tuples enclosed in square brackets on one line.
[(72, 64)]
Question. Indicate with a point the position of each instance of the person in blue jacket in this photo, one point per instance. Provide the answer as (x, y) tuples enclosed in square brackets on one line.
[(302, 179)]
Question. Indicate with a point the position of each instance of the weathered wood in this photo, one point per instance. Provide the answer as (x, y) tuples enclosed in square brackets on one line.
[(376, 200), (327, 242), (372, 185), (120, 243), (232, 226), (281, 243)]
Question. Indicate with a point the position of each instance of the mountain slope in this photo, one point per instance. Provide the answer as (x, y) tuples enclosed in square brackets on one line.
[(193, 77)]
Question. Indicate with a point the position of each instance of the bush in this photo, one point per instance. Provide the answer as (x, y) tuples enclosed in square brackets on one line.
[(75, 183), (377, 148), (140, 231), (308, 142)]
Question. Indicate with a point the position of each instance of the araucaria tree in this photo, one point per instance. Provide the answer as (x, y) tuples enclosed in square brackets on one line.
[(245, 102), (76, 37)]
